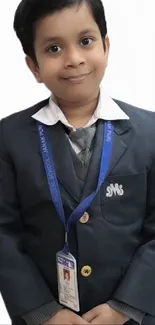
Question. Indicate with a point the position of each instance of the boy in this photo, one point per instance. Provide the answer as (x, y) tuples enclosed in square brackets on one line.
[(77, 181)]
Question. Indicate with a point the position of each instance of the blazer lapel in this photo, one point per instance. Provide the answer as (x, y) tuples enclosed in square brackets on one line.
[(64, 168), (121, 139), (63, 163), (93, 171)]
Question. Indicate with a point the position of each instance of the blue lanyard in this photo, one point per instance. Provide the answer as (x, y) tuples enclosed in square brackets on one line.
[(52, 178)]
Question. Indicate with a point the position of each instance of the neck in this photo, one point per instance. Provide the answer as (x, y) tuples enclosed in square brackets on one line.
[(78, 114)]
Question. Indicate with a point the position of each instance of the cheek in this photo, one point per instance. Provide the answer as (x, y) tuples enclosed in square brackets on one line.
[(49, 70), (50, 75), (100, 60), (99, 69)]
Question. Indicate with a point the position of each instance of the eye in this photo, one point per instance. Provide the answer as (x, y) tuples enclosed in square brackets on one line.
[(54, 49), (87, 41)]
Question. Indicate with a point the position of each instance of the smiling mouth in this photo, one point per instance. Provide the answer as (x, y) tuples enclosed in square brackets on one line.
[(77, 78)]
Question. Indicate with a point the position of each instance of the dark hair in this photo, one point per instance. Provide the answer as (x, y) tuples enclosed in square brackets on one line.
[(29, 11)]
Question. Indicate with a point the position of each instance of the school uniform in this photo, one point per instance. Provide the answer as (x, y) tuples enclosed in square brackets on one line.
[(115, 242)]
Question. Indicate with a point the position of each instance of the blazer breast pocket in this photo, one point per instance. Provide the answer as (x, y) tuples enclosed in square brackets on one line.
[(123, 198)]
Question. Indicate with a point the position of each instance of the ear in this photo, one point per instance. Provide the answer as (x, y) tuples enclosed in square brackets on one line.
[(107, 46), (33, 68)]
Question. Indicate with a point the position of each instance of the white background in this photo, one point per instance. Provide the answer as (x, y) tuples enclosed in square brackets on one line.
[(129, 77)]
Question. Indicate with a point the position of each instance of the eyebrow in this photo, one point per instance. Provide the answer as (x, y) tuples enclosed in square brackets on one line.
[(56, 38)]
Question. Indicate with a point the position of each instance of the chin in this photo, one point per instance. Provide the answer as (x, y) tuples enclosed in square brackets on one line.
[(77, 96)]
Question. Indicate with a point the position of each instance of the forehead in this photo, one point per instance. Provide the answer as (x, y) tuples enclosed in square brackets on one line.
[(66, 23)]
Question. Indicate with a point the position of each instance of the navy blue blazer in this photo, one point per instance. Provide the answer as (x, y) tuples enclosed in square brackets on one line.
[(118, 241)]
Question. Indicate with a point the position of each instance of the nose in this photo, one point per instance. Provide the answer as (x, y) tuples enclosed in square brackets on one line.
[(74, 58)]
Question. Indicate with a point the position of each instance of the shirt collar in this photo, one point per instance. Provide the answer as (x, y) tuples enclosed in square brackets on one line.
[(106, 109)]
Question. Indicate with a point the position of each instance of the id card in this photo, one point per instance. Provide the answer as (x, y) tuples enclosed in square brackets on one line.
[(67, 281)]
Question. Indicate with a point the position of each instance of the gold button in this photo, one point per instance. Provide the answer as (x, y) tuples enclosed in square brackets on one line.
[(86, 271), (84, 218)]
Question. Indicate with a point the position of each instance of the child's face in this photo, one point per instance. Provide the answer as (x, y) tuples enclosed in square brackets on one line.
[(67, 276), (71, 53)]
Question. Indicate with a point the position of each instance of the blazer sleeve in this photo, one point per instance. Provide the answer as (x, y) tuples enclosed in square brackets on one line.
[(137, 288), (42, 314), (22, 286), (127, 310)]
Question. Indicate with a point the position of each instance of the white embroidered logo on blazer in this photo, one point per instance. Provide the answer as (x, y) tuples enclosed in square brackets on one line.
[(114, 189)]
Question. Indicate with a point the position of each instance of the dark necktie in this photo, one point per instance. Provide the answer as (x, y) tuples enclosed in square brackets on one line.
[(83, 138)]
